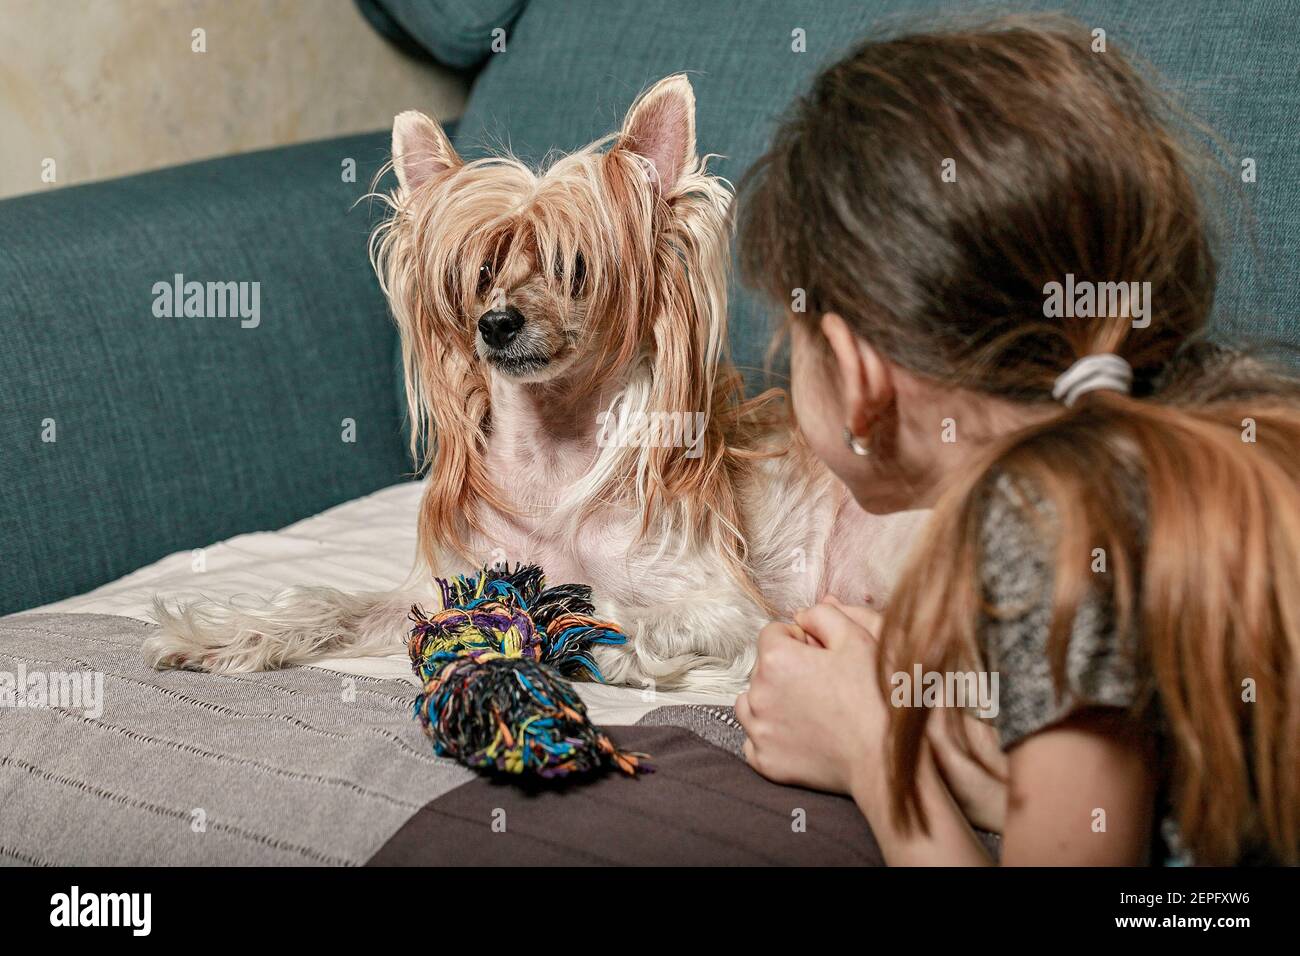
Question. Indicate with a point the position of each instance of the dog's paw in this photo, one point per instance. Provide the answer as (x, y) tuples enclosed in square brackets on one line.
[(164, 652)]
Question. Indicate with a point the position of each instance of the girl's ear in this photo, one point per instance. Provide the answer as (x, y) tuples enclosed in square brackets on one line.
[(421, 150), (660, 126), (864, 375)]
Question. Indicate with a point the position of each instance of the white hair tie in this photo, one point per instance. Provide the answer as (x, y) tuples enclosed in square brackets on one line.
[(1104, 370)]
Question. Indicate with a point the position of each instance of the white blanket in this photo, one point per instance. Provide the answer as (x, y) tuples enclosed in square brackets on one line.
[(363, 545)]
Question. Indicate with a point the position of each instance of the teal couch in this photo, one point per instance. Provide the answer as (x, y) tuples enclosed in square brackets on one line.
[(174, 433)]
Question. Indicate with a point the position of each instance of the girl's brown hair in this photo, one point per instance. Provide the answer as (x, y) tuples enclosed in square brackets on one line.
[(1061, 161)]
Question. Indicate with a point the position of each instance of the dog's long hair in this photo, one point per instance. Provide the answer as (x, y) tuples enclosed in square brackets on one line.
[(640, 226)]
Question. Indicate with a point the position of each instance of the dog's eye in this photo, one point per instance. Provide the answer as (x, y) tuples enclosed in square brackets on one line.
[(577, 277), (579, 273), (484, 278)]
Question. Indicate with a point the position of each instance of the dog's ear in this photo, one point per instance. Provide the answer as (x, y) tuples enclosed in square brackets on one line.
[(661, 127), (421, 150)]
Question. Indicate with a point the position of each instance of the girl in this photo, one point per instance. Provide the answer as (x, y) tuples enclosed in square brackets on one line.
[(1008, 271)]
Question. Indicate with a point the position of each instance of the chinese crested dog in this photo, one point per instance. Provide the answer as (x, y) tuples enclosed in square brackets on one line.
[(564, 341)]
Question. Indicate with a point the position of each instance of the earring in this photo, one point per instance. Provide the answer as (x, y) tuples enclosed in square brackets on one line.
[(857, 445)]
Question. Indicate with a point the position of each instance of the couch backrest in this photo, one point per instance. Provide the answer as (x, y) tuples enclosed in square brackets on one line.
[(571, 68), (125, 434)]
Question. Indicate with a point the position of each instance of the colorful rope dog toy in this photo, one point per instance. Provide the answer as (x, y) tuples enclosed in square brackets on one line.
[(493, 663)]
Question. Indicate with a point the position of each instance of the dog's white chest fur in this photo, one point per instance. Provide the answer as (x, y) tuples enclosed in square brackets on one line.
[(691, 623)]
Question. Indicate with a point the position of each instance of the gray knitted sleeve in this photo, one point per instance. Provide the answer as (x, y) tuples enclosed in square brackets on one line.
[(1017, 545)]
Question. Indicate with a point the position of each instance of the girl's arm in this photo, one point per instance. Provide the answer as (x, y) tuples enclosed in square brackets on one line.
[(1079, 794), (814, 716), (976, 780), (950, 841)]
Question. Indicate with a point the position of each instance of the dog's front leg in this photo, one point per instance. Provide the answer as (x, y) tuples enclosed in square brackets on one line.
[(701, 641)]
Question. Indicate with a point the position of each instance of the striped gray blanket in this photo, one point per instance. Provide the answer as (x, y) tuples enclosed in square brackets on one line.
[(104, 761)]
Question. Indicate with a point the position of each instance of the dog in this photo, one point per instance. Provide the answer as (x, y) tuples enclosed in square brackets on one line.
[(564, 335)]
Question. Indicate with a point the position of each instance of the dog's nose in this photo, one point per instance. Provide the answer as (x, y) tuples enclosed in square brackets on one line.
[(500, 326)]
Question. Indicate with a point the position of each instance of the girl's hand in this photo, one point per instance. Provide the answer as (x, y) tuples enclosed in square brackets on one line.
[(981, 795), (814, 714)]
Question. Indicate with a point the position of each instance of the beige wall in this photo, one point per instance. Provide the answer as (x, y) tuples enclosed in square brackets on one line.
[(109, 87)]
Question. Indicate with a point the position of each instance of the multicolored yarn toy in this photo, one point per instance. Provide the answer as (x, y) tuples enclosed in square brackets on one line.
[(493, 663)]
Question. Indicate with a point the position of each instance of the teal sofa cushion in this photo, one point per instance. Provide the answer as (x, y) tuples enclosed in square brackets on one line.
[(173, 433), (572, 67), (458, 33)]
